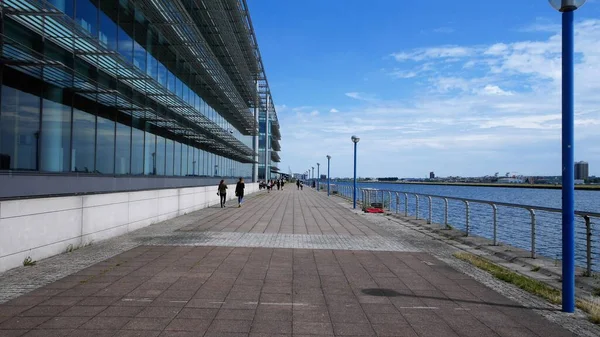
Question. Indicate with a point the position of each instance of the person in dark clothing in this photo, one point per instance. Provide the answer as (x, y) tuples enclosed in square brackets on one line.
[(278, 184), (282, 183), (239, 191), (298, 183), (222, 192)]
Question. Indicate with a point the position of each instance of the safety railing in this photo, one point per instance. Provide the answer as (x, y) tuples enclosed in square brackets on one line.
[(534, 228)]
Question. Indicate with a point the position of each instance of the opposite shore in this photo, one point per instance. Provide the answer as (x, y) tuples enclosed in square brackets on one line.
[(542, 186)]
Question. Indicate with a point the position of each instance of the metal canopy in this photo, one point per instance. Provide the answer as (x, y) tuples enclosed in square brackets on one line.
[(275, 157), (42, 18), (16, 56), (178, 26)]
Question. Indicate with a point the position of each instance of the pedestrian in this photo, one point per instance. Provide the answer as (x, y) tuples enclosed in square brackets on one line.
[(239, 191), (278, 185), (282, 183), (298, 184), (222, 192), (301, 185)]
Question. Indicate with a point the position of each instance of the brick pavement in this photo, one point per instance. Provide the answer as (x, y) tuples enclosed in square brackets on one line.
[(199, 278)]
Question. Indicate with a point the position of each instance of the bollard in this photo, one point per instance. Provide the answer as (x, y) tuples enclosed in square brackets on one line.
[(430, 211), (446, 212), (406, 204), (588, 240), (467, 217), (417, 209), (495, 209), (532, 212)]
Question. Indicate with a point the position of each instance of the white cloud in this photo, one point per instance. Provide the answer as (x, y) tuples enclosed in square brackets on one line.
[(474, 110), (314, 113), (334, 110), (444, 30)]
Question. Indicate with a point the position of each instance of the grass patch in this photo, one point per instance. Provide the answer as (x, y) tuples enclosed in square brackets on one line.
[(29, 262), (536, 268), (590, 306)]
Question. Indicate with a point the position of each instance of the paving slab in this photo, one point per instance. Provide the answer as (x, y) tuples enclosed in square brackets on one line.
[(287, 263)]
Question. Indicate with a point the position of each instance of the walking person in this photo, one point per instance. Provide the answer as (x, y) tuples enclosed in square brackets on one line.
[(298, 184), (239, 191), (282, 183), (278, 185), (222, 192)]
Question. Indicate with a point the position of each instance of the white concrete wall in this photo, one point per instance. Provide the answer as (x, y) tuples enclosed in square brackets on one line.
[(43, 227)]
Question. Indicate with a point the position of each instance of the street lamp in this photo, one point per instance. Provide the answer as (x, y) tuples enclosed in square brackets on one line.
[(355, 141), (328, 178), (313, 174), (318, 176), (567, 7)]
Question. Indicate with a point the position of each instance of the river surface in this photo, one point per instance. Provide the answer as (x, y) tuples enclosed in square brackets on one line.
[(513, 225)]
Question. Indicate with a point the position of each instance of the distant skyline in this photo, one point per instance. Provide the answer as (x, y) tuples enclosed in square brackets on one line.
[(467, 94)]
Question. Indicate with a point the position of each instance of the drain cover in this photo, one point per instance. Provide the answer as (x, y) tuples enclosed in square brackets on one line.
[(381, 292)]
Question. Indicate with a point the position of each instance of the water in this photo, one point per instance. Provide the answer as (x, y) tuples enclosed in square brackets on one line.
[(514, 225)]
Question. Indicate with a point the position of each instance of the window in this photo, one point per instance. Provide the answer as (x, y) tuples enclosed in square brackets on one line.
[(169, 157), (105, 146), (139, 56), (137, 151), (177, 156), (55, 137), (84, 136), (87, 16), (19, 130), (123, 149), (65, 6), (184, 159), (108, 32), (160, 156), (162, 74), (125, 45), (150, 156)]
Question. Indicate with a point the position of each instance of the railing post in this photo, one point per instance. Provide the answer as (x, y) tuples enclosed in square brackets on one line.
[(446, 212), (405, 204), (532, 212), (390, 195), (430, 211), (397, 202), (417, 209), (588, 243), (495, 209), (467, 216)]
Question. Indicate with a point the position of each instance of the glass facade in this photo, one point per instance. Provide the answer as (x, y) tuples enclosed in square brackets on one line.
[(49, 127)]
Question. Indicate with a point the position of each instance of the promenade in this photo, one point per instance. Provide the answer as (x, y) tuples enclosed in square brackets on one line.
[(287, 263)]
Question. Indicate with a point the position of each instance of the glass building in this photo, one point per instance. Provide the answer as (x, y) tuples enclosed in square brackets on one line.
[(116, 95)]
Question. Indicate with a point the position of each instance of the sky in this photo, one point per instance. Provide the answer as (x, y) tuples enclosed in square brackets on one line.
[(466, 88)]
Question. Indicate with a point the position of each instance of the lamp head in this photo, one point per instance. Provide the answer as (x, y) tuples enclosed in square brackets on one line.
[(328, 157), (566, 5), (355, 139), (318, 164)]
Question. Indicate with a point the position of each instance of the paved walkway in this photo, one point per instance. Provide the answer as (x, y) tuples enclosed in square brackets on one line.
[(288, 263)]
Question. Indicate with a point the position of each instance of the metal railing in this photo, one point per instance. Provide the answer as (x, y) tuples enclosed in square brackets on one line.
[(534, 228)]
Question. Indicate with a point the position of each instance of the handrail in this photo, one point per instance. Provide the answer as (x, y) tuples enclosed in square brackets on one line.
[(367, 194)]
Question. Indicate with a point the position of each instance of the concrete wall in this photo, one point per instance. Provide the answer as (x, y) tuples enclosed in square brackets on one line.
[(44, 227)]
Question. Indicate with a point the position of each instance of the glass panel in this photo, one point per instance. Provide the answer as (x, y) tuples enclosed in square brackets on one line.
[(108, 32), (84, 135), (139, 59), (170, 81), (123, 149), (87, 16), (105, 146), (184, 160), (56, 137), (150, 157), (160, 156), (169, 158), (137, 149), (125, 45), (19, 130), (66, 6), (162, 74), (177, 156), (152, 67)]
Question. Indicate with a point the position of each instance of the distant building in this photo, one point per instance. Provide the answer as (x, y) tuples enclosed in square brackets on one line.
[(431, 175), (581, 170), (323, 176), (510, 180)]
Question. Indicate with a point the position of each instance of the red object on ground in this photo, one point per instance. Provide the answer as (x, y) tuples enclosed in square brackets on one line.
[(374, 210)]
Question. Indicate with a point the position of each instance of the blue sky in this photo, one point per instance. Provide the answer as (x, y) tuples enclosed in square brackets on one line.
[(463, 90)]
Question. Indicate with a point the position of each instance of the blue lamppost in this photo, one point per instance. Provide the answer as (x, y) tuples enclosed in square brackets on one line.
[(567, 7), (318, 176), (355, 141), (328, 178)]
